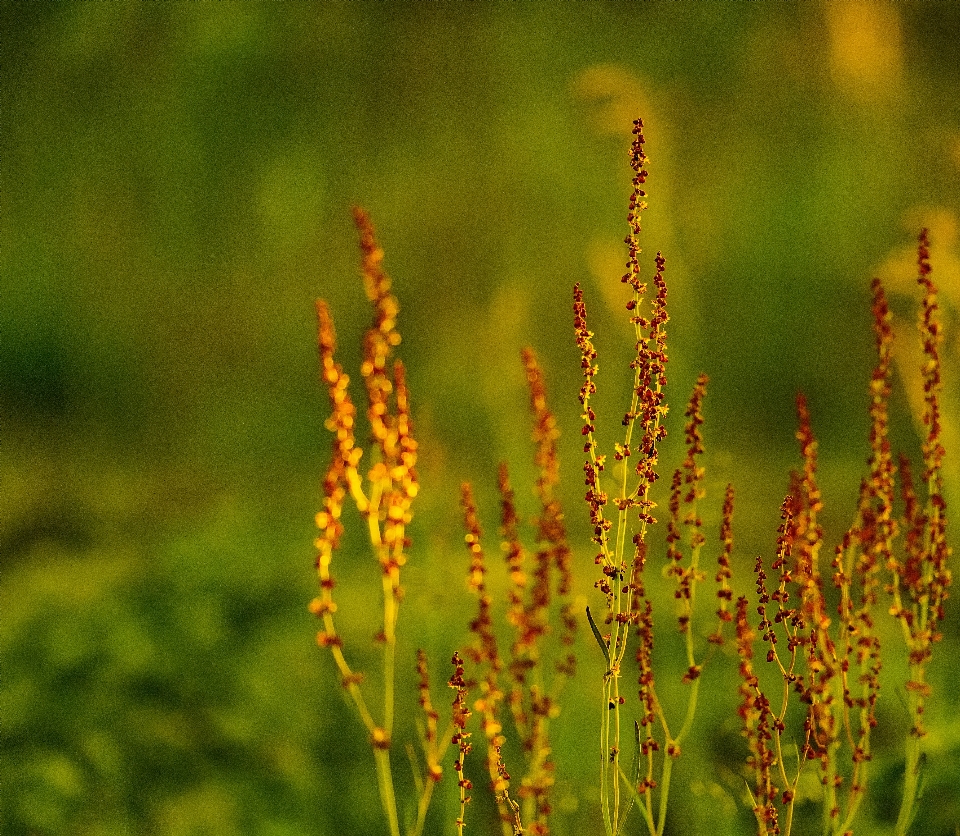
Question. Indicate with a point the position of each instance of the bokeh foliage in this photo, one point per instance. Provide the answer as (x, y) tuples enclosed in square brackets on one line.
[(176, 184)]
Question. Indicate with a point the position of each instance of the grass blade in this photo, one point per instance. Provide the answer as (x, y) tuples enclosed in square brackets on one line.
[(599, 638)]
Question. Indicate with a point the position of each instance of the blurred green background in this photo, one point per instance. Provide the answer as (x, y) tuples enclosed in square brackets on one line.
[(176, 189)]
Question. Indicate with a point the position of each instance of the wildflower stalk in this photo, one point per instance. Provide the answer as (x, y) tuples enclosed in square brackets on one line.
[(461, 737), (434, 746), (865, 549), (386, 501), (485, 654), (647, 406), (762, 726), (553, 559), (919, 585), (627, 605), (535, 687)]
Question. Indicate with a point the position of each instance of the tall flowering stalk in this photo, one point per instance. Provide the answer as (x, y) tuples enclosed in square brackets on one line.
[(724, 570), (782, 614), (756, 716), (383, 498), (919, 582), (628, 607), (433, 742), (537, 687), (533, 603), (485, 654), (461, 737)]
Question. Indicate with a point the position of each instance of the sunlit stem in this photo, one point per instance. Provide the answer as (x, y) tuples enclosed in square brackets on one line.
[(606, 761), (385, 783), (911, 773)]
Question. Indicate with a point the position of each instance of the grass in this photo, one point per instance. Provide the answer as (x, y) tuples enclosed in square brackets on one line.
[(809, 644)]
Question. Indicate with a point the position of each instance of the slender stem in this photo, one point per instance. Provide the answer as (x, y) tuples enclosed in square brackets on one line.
[(423, 804), (648, 791), (389, 651), (615, 766), (605, 755), (353, 689), (664, 793), (647, 807), (788, 825), (373, 515), (640, 802), (385, 783), (383, 736), (911, 771), (691, 712), (761, 821)]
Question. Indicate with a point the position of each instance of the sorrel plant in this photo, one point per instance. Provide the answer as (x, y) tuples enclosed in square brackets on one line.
[(823, 659)]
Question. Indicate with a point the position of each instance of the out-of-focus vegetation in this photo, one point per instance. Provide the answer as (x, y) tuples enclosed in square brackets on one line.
[(176, 184)]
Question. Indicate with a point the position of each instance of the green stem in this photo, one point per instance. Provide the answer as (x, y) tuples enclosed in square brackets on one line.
[(691, 712), (385, 783), (664, 792), (911, 774), (640, 802), (605, 757), (422, 806), (615, 766), (389, 651)]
